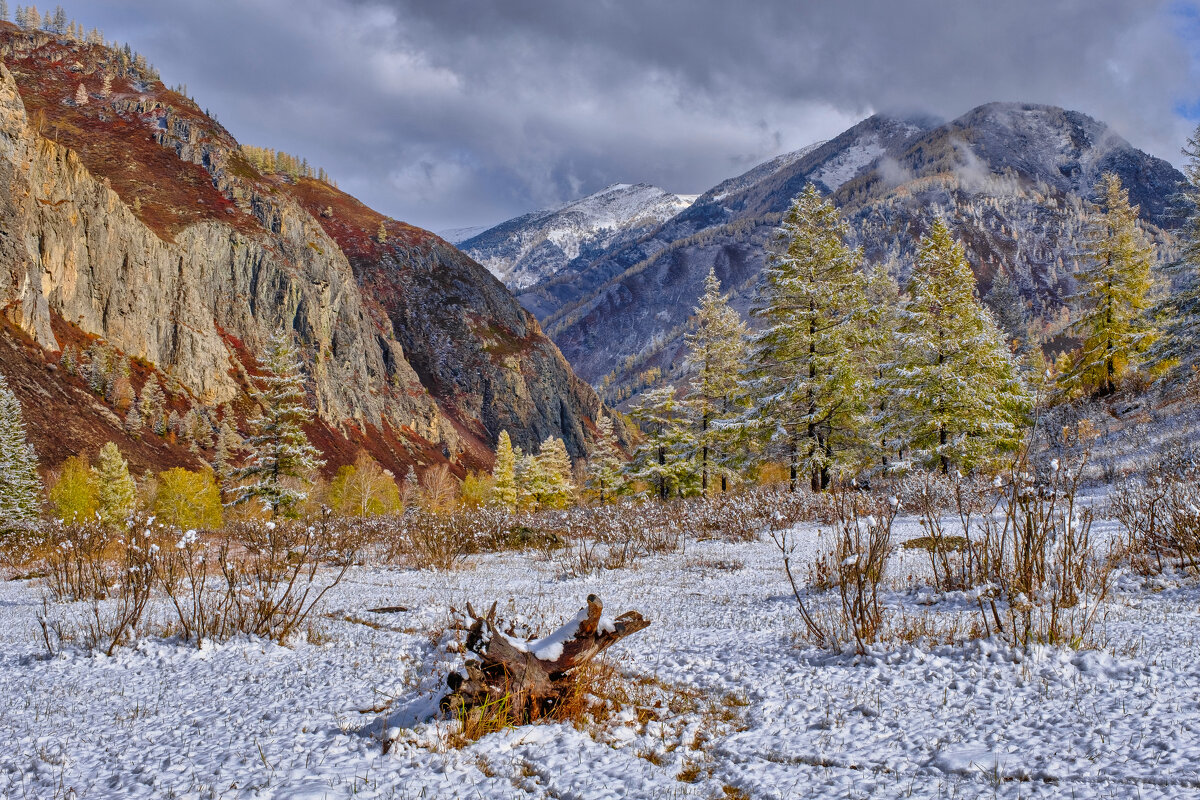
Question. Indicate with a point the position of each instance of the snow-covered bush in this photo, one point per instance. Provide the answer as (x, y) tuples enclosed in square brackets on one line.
[(855, 565), (1040, 577), (1160, 514)]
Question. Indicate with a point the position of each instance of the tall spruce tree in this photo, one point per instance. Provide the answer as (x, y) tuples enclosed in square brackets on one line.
[(715, 361), (20, 484), (809, 381), (663, 459), (1114, 280), (955, 398), (883, 321), (280, 454), (555, 488), (1179, 312), (153, 403), (504, 491), (605, 463), (116, 492)]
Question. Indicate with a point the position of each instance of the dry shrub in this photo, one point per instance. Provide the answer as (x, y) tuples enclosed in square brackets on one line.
[(856, 565), (263, 579), (931, 497), (269, 576), (1041, 578), (1161, 515), (111, 570)]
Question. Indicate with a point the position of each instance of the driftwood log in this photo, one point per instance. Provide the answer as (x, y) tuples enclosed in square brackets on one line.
[(531, 678)]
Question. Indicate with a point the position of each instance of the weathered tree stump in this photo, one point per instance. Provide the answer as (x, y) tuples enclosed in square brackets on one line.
[(531, 678)]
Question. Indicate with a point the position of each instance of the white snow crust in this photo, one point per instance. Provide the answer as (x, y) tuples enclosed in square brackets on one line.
[(250, 719)]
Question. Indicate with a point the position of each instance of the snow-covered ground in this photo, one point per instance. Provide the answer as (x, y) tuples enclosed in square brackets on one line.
[(740, 707)]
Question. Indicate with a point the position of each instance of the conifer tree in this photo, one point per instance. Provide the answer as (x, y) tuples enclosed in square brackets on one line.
[(20, 484), (955, 396), (504, 491), (605, 464), (106, 86), (81, 95), (1114, 287), (116, 492), (663, 459), (1008, 308), (133, 420), (279, 448), (382, 234), (883, 321), (716, 360), (809, 382), (152, 403), (549, 481), (4, 10), (1179, 312)]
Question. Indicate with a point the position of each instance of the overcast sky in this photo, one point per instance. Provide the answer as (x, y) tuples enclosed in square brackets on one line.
[(449, 113)]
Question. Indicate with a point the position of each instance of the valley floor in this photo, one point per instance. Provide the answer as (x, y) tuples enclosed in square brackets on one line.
[(739, 707)]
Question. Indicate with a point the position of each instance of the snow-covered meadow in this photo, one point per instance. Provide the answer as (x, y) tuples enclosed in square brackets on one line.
[(727, 699)]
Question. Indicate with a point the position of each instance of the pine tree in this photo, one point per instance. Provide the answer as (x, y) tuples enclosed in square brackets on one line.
[(955, 396), (883, 320), (81, 95), (116, 493), (1114, 287), (605, 463), (4, 10), (382, 234), (278, 445), (133, 420), (809, 382), (20, 484), (59, 24), (99, 369), (106, 86), (1179, 313), (1008, 308), (716, 360), (663, 459), (550, 483), (504, 492), (152, 403)]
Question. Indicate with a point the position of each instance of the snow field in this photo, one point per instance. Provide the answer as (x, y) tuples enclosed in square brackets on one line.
[(727, 701)]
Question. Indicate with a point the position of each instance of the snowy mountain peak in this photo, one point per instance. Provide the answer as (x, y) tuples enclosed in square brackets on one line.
[(535, 246)]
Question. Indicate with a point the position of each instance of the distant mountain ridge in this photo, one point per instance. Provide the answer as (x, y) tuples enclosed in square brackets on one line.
[(1012, 180), (537, 245)]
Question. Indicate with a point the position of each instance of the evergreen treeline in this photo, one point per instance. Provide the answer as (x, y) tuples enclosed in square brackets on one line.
[(277, 162)]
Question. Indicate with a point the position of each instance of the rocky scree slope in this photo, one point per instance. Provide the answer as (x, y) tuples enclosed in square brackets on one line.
[(135, 218), (540, 244), (1011, 179)]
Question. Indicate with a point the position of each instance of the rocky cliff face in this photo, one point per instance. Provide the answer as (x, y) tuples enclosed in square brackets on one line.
[(1011, 179), (144, 225)]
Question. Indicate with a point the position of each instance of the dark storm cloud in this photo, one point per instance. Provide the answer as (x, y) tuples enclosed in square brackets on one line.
[(454, 112)]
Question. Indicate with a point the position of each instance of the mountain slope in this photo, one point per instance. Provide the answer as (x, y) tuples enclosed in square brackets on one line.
[(136, 218), (537, 245), (1011, 179)]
